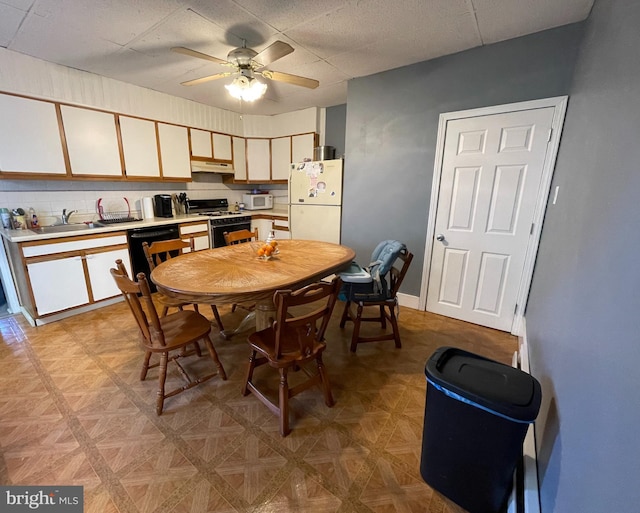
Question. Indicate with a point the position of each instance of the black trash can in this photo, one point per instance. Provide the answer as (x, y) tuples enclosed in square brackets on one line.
[(476, 417)]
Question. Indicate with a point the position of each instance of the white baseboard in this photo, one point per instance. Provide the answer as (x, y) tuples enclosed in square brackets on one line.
[(70, 313), (408, 301)]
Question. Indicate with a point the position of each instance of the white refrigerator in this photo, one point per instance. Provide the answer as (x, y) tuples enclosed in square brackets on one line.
[(315, 200)]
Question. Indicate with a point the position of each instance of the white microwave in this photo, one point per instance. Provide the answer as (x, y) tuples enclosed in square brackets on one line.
[(257, 201)]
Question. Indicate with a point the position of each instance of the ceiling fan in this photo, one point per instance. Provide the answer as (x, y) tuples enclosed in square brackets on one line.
[(248, 63)]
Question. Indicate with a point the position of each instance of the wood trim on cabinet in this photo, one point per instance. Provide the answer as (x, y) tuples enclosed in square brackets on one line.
[(87, 277), (63, 141), (160, 167), (73, 238), (123, 168)]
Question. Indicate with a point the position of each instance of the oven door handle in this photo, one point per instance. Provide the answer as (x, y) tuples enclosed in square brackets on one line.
[(147, 234), (228, 225)]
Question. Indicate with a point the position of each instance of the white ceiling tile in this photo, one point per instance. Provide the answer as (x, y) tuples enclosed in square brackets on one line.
[(118, 21), (68, 47), (499, 20), (334, 40), (10, 19), (364, 23), (452, 35), (23, 5), (284, 14), (235, 20), (185, 28)]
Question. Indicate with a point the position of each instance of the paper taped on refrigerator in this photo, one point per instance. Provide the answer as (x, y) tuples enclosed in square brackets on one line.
[(316, 183)]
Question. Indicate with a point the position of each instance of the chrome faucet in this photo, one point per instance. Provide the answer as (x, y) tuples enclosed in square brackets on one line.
[(65, 216)]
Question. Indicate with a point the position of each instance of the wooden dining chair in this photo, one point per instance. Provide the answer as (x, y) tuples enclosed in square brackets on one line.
[(291, 343), (240, 236), (162, 250), (165, 335), (384, 300)]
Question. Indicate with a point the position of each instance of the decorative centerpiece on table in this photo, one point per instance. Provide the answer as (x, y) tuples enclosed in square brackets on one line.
[(269, 248)]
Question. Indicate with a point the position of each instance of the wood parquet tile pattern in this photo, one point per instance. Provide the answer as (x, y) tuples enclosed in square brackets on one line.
[(74, 412)]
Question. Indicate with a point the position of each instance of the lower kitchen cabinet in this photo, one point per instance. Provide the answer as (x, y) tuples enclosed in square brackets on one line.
[(58, 284), (68, 272), (263, 226), (266, 223), (200, 233), (102, 285), (280, 229)]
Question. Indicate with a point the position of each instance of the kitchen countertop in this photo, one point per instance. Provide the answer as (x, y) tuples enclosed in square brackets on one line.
[(28, 235)]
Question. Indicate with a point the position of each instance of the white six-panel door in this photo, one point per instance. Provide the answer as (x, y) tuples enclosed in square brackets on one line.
[(491, 174)]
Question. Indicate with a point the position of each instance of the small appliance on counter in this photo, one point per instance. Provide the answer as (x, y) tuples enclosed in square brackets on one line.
[(257, 201), (162, 205)]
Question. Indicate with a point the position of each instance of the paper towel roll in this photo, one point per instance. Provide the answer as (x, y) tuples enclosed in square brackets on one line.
[(147, 208)]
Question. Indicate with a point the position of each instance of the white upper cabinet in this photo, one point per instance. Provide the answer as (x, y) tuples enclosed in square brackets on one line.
[(258, 160), (239, 158), (92, 141), (174, 151), (139, 147), (222, 147), (280, 158), (200, 143), (30, 136), (302, 147)]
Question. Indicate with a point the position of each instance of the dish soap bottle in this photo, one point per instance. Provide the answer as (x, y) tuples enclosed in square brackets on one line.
[(33, 218)]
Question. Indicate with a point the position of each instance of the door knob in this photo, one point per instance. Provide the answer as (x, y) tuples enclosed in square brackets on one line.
[(440, 237)]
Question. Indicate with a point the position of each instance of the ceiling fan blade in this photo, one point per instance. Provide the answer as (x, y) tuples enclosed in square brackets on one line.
[(272, 53), (290, 79), (199, 55), (207, 78)]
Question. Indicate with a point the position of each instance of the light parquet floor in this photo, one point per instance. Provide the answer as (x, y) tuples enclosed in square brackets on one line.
[(74, 412)]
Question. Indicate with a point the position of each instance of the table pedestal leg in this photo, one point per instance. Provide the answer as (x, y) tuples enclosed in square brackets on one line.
[(247, 323), (265, 313), (261, 317)]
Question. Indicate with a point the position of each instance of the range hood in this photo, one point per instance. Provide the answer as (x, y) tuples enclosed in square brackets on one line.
[(201, 166)]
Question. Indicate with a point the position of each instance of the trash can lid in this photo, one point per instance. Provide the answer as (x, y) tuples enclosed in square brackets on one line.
[(485, 383)]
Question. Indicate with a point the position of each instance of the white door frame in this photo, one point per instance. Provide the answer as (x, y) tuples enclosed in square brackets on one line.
[(560, 105)]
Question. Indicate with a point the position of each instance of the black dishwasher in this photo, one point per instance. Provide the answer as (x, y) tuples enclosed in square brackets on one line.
[(137, 236)]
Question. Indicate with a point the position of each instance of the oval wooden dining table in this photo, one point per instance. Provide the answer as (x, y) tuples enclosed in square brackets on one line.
[(235, 274)]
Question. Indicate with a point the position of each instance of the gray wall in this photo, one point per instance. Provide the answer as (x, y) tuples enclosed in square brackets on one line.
[(392, 123), (584, 308), (335, 127)]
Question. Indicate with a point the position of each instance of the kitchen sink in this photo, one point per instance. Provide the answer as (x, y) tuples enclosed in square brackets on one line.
[(61, 228)]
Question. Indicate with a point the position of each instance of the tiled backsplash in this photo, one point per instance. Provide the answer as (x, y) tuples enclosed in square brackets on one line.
[(48, 198)]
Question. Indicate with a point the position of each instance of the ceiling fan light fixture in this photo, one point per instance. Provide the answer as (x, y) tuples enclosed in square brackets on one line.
[(247, 89)]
